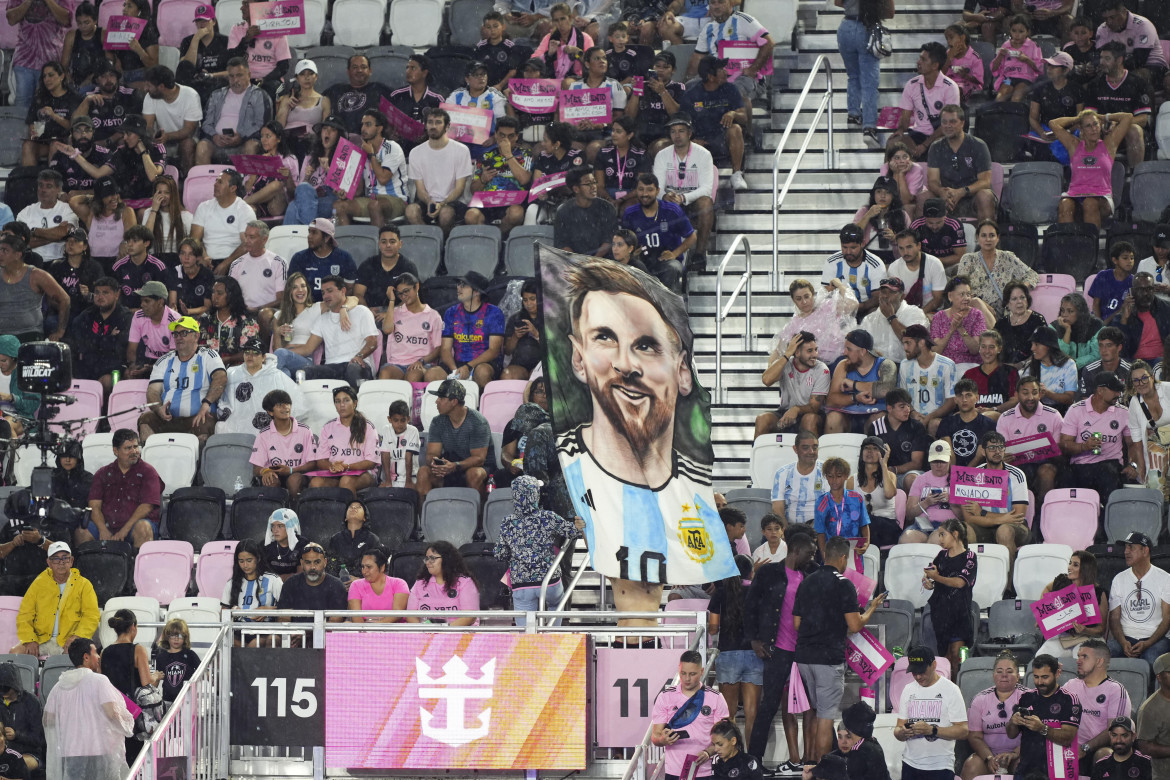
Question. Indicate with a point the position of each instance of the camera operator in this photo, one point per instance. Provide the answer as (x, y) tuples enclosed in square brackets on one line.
[(13, 401), (1062, 719)]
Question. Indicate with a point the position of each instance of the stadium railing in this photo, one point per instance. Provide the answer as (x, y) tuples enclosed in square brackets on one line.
[(745, 286)]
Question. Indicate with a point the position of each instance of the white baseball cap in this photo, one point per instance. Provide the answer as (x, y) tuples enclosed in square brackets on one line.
[(304, 65), (57, 547)]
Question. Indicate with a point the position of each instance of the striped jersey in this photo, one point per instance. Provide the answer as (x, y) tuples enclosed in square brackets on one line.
[(185, 382), (669, 534), (799, 492), (737, 27), (930, 387), (1018, 483), (491, 99), (863, 279)]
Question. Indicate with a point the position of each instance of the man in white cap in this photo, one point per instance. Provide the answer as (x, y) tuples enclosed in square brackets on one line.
[(57, 608), (323, 258), (185, 386)]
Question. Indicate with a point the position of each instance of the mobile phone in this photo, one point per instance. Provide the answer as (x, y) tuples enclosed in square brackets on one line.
[(439, 461), (229, 131), (683, 734)]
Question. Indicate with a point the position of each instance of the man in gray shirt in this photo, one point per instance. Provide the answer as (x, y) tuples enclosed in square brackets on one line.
[(459, 443), (959, 170), (586, 223)]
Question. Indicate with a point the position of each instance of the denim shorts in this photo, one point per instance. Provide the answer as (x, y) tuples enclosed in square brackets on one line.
[(739, 666)]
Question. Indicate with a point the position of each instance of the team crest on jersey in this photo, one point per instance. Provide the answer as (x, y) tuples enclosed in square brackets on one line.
[(694, 537), (335, 269), (1042, 428)]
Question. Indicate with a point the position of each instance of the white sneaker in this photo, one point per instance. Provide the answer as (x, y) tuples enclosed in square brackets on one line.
[(738, 182)]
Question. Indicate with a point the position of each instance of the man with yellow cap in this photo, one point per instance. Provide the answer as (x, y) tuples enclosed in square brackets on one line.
[(185, 386)]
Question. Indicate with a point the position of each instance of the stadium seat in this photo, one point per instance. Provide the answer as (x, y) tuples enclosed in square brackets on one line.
[(406, 563), (145, 608), (1002, 126), (251, 509), (753, 502), (897, 616), (391, 513), (900, 507), (841, 445), (9, 607), (770, 453), (315, 13), (1046, 301), (1110, 562), (361, 241), (28, 667), (451, 515), (376, 395), (992, 577), (1062, 282), (1140, 234), (332, 68), (358, 22), (975, 676), (429, 410), (287, 240), (500, 401), (125, 398), (900, 675), (200, 181), (162, 569), (213, 570), (1071, 247), (1030, 513), (194, 515), (168, 56), (322, 512), (55, 666), (904, 572), (520, 248), (423, 244), (416, 22), (449, 67), (12, 130), (90, 397), (1134, 674), (197, 609), (1133, 509), (28, 458), (175, 456), (225, 461), (498, 448), (106, 565), (488, 571), (319, 400), (1033, 192), (1021, 239), (1011, 619), (1069, 516), (682, 605), (1149, 190), (1037, 565), (388, 65), (495, 509), (465, 20), (175, 20), (472, 248)]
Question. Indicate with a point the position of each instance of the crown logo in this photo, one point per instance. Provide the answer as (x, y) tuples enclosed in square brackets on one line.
[(456, 686)]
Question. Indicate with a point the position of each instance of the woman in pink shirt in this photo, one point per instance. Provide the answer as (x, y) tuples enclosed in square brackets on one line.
[(377, 590), (347, 446), (1090, 191), (956, 329), (444, 584), (561, 49)]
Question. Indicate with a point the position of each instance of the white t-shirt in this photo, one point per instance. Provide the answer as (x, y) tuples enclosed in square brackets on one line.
[(939, 705), (36, 217), (440, 169), (223, 229), (885, 341), (1150, 266), (171, 116), (1141, 612), (342, 345), (617, 92), (763, 553), (261, 278), (302, 324), (398, 445), (933, 279)]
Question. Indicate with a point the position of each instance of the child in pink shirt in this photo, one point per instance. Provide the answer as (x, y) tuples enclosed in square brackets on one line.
[(964, 65), (1017, 64)]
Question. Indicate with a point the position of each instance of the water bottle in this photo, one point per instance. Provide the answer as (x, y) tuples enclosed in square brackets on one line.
[(301, 376), (343, 573), (491, 483), (964, 652), (238, 485), (897, 651)]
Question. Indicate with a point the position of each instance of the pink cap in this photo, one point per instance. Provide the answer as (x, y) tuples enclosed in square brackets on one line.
[(206, 11), (1062, 59), (324, 225)]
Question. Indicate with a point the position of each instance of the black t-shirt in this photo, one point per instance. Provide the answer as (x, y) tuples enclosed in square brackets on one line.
[(299, 594), (376, 279), (177, 668), (584, 230), (349, 102), (1055, 103), (822, 601), (741, 766), (1132, 95), (211, 56), (1059, 709), (1136, 767), (403, 100), (634, 61), (345, 549), (730, 637), (130, 59), (652, 113), (12, 765), (942, 242), (62, 106), (71, 279), (130, 172), (85, 56), (965, 436), (1085, 63), (528, 352), (621, 175), (284, 560), (107, 118), (499, 58), (910, 437), (74, 176), (193, 293)]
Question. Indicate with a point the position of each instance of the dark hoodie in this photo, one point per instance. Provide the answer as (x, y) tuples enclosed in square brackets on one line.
[(22, 715), (529, 536)]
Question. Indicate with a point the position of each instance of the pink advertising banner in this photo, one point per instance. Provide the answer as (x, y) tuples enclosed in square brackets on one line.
[(469, 125), (625, 685), (284, 17), (346, 169), (586, 105), (120, 30), (985, 487), (257, 165), (1058, 611), (495, 198), (534, 96), (545, 184), (866, 656), (407, 128), (1029, 449)]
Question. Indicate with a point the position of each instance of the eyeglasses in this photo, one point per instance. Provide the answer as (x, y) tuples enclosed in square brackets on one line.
[(175, 635), (433, 558), (994, 447), (1002, 710), (1141, 380), (61, 559)]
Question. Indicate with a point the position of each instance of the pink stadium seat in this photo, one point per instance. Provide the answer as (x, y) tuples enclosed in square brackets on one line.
[(684, 605), (163, 570), (1069, 516), (900, 507), (500, 401), (89, 395), (175, 21), (901, 677), (1065, 282), (124, 398), (9, 606), (1046, 301), (215, 567), (199, 184)]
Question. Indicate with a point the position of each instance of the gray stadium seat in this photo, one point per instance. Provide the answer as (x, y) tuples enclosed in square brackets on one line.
[(322, 512), (464, 20), (898, 618), (423, 244), (1149, 190), (1134, 674), (753, 502), (12, 132), (1012, 619), (451, 515), (332, 64), (495, 509), (361, 241), (472, 248), (1033, 192), (388, 65), (1133, 509), (975, 676), (225, 461), (519, 250)]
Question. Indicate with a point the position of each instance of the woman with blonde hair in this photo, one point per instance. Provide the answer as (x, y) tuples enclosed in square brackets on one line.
[(167, 219), (1090, 191), (828, 315)]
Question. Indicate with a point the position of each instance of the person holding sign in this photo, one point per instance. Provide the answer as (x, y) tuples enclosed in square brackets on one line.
[(928, 507), (840, 512), (992, 751), (504, 167), (440, 169), (133, 61), (1005, 526), (1082, 572), (384, 178), (931, 718), (265, 51), (1046, 721), (590, 132), (1095, 436), (478, 94), (950, 578), (1139, 605)]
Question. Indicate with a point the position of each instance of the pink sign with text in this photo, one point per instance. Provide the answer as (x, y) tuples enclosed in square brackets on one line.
[(257, 165), (534, 96), (866, 656), (120, 30), (1090, 607), (545, 184), (741, 54), (346, 169), (1058, 611), (985, 487), (626, 683), (284, 17), (889, 117), (495, 198), (469, 125), (586, 105), (1029, 449), (407, 128)]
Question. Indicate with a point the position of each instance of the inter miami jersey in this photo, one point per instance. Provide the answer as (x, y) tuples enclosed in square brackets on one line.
[(669, 534)]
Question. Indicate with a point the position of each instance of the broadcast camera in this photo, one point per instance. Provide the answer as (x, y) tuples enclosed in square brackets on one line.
[(46, 369)]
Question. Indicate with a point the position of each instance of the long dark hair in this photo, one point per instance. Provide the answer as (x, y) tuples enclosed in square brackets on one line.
[(731, 616), (895, 214), (869, 12), (319, 149), (1086, 325), (357, 425), (252, 547), (235, 297), (862, 472), (42, 97), (453, 565), (277, 129), (174, 213)]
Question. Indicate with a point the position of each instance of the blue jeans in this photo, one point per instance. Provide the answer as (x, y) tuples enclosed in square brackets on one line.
[(1149, 656), (528, 600), (306, 206), (290, 362), (26, 85), (862, 69)]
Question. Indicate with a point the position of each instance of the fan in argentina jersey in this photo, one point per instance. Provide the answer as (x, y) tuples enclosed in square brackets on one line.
[(186, 382), (648, 507)]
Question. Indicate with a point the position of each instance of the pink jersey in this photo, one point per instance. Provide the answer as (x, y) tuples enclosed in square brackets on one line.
[(1099, 705), (699, 730), (969, 77), (429, 595), (263, 54), (1082, 421), (335, 443), (990, 716), (1011, 67), (786, 636), (1139, 33), (156, 338), (1014, 425), (361, 590), (929, 484), (415, 335), (273, 449), (1092, 171)]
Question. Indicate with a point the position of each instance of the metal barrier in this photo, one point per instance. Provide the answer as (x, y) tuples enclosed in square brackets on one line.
[(825, 107), (745, 286)]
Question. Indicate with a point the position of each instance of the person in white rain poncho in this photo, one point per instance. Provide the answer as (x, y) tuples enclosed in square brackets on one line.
[(86, 721), (241, 410)]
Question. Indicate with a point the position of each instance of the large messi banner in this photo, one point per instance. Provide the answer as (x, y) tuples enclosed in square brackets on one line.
[(633, 424)]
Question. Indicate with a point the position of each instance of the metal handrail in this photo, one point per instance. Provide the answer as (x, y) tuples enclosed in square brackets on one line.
[(745, 286), (823, 108)]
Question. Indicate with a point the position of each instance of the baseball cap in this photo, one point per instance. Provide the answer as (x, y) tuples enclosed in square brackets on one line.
[(81, 121), (1123, 722), (667, 57), (852, 234), (326, 226), (155, 289), (860, 338), (206, 11), (1137, 537), (893, 283), (1109, 380), (451, 389), (77, 232), (476, 67), (304, 65), (1062, 59), (679, 119), (1162, 235), (59, 547), (253, 345), (918, 332), (939, 451), (190, 323), (934, 207), (920, 657), (710, 65), (1162, 663)]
